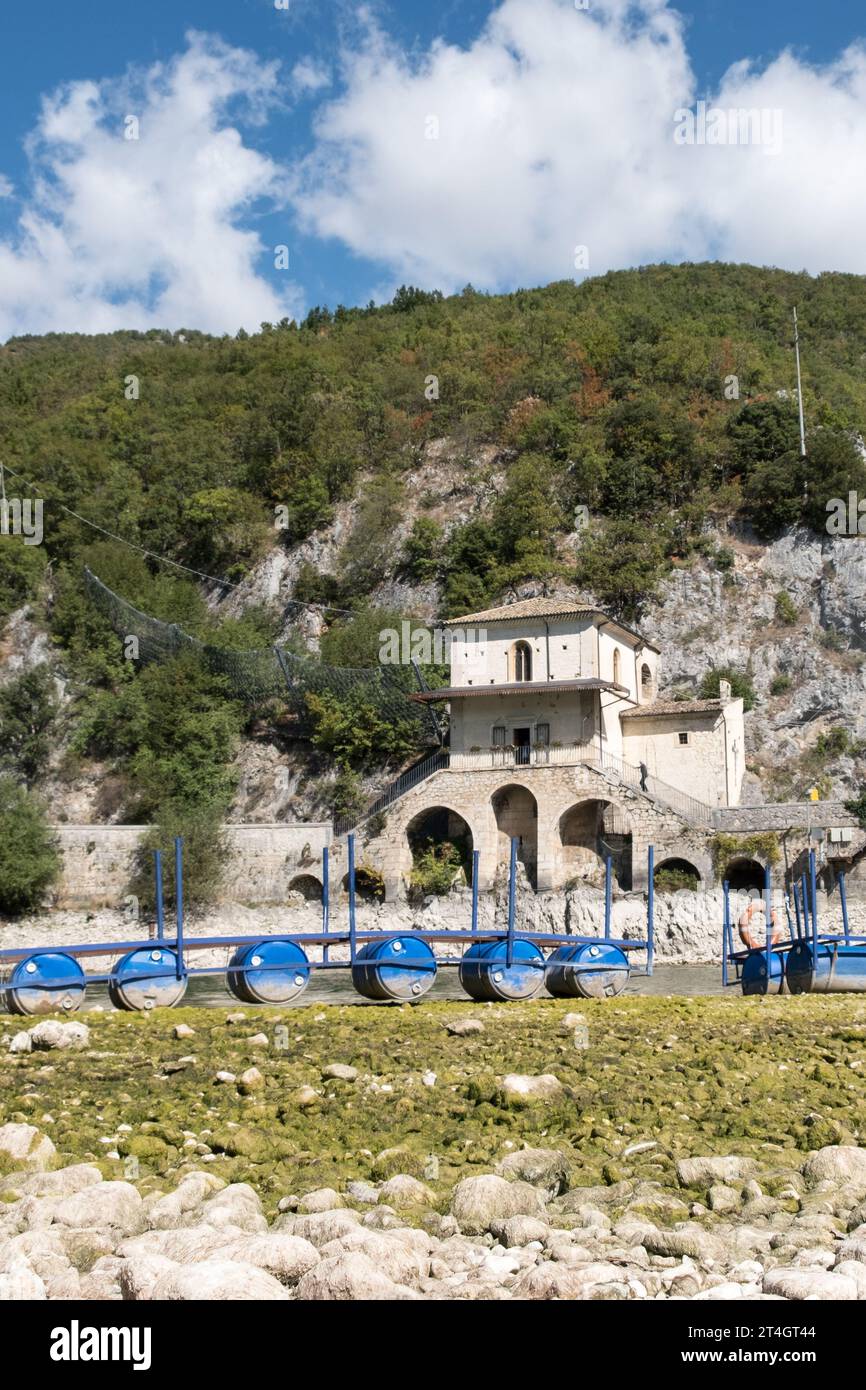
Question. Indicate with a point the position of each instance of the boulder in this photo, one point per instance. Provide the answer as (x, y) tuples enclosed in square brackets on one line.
[(349, 1276), (102, 1204), (810, 1283), (139, 1275), (704, 1172), (21, 1284), (518, 1231), (464, 1027), (844, 1164), (218, 1279), (337, 1071), (51, 1033), (27, 1145), (393, 1258), (477, 1202), (62, 1182), (547, 1168), (322, 1199), (284, 1256), (529, 1090), (405, 1191), (321, 1226)]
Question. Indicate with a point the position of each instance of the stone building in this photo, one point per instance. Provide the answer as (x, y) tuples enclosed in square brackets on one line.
[(558, 739)]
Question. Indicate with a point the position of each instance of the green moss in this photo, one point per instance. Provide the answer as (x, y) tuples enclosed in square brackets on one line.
[(762, 1077)]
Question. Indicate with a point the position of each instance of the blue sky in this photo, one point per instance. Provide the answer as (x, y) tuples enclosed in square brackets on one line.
[(333, 163)]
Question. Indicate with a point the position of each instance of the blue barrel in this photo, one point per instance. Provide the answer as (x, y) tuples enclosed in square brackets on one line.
[(46, 983), (485, 974), (589, 970), (147, 979), (754, 973), (269, 972), (836, 968), (399, 968)]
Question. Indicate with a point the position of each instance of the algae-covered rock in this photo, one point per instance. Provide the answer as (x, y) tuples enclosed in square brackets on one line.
[(26, 1145), (337, 1071), (390, 1162), (546, 1168), (703, 1172), (405, 1191)]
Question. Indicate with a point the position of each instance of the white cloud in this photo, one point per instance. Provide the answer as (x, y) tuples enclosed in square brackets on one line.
[(309, 76), (555, 129), (124, 233), (7, 187)]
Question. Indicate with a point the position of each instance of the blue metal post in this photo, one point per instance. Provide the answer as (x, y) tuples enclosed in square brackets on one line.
[(178, 892), (726, 930), (326, 899), (795, 895), (512, 886), (813, 883), (650, 909), (352, 925), (844, 901), (160, 907), (475, 857), (807, 927), (608, 888), (768, 923)]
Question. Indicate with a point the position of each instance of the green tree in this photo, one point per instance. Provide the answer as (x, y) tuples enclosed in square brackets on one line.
[(741, 685), (621, 565), (29, 862), (28, 715)]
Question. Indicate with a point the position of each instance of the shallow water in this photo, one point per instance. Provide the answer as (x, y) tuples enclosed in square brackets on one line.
[(335, 987)]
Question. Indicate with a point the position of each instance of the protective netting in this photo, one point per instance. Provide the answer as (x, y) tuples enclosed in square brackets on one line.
[(270, 672)]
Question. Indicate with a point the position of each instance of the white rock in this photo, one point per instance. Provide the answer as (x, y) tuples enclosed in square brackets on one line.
[(809, 1283), (218, 1279), (703, 1172), (518, 1089), (21, 1043), (25, 1144), (839, 1163), (405, 1191), (322, 1199), (481, 1200), (349, 1276), (139, 1275), (50, 1034), (20, 1284), (284, 1256), (103, 1204)]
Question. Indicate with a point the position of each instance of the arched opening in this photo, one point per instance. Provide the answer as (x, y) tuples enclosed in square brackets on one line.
[(308, 886), (672, 875), (516, 812), (646, 683), (589, 832), (617, 666), (440, 842), (369, 884), (743, 875), (521, 661)]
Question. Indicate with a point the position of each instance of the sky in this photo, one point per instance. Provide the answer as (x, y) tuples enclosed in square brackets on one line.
[(214, 164)]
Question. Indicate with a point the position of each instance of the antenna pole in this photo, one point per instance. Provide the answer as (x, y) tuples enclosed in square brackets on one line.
[(799, 389)]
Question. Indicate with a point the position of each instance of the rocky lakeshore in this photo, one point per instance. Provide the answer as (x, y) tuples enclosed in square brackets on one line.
[(647, 1148)]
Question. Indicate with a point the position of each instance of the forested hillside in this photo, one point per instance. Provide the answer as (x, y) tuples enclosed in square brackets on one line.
[(620, 418)]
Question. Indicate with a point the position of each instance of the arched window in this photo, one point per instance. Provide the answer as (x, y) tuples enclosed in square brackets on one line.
[(646, 682), (521, 661), (616, 666)]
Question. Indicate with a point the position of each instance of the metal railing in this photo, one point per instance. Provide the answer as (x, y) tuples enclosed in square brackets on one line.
[(689, 808), (404, 783)]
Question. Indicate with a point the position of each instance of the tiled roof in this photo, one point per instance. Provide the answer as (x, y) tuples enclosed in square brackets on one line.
[(679, 708), (528, 608)]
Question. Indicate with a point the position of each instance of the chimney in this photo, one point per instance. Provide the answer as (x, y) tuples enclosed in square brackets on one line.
[(724, 691)]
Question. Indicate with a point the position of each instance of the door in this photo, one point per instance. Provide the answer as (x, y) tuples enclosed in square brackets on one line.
[(522, 746)]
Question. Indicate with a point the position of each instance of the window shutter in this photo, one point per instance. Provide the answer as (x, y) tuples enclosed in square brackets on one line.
[(499, 736), (542, 733)]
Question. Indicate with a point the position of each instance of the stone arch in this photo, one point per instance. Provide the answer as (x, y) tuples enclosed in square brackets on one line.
[(674, 873), (647, 685), (590, 830), (439, 825), (308, 886), (743, 874), (369, 884), (515, 811)]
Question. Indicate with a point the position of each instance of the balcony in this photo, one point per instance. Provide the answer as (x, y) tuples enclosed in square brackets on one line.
[(524, 755)]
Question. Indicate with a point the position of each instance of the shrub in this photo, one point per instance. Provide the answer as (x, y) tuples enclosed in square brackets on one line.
[(673, 880), (780, 684), (740, 682), (206, 856), (435, 868), (29, 861), (28, 712), (786, 609)]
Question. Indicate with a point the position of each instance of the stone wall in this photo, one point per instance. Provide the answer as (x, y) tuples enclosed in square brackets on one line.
[(98, 860)]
